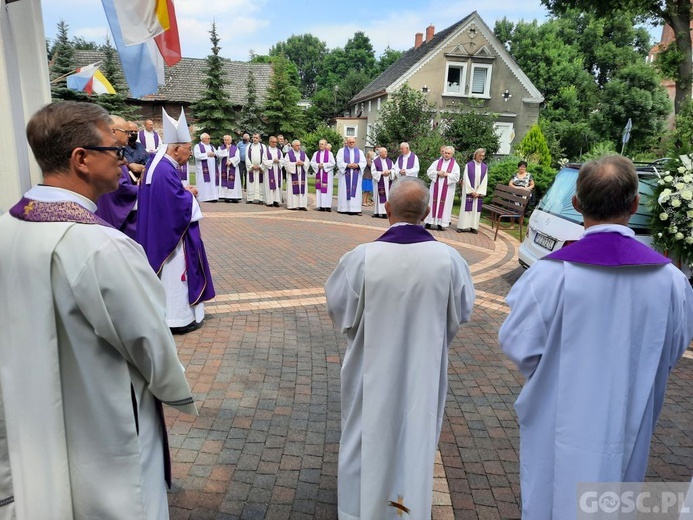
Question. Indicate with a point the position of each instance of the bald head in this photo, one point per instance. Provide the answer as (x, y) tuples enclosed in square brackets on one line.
[(119, 127), (408, 201)]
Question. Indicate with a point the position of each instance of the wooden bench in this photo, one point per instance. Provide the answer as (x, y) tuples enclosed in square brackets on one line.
[(508, 202)]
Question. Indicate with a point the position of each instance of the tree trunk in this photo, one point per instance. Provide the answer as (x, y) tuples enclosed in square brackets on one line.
[(680, 21)]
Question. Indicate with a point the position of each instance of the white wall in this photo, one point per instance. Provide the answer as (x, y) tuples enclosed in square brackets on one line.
[(24, 75)]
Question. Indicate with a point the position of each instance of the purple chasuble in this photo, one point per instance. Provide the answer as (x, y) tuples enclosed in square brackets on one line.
[(608, 249), (351, 175), (410, 161), (165, 210), (407, 234), (321, 176), (440, 198), (251, 177), (381, 183), (116, 207), (469, 200), (299, 185)]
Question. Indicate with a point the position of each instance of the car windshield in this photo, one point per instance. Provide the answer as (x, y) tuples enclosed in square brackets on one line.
[(559, 200)]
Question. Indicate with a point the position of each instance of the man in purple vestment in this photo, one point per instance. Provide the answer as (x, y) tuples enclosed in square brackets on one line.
[(595, 328), (169, 232), (118, 207)]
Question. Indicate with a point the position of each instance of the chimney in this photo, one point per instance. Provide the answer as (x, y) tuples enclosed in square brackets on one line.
[(418, 40), (430, 32)]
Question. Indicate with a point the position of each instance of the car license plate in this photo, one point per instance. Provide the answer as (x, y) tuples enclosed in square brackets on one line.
[(544, 241)]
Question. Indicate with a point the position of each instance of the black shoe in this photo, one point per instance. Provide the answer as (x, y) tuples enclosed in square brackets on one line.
[(276, 204), (427, 226), (465, 230), (268, 205), (375, 216), (303, 209), (188, 328), (329, 210), (383, 216), (440, 228), (248, 201), (460, 230), (235, 201), (257, 202), (475, 231)]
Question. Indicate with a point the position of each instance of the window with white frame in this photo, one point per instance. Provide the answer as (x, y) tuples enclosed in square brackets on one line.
[(455, 77), (350, 131), (378, 103), (480, 81), (369, 132), (369, 105)]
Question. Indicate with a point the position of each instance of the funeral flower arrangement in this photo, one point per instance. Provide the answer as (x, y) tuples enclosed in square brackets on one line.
[(672, 214)]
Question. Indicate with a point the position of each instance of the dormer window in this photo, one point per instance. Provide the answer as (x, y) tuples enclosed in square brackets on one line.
[(455, 79)]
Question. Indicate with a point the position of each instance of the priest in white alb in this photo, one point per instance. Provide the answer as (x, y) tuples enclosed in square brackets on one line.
[(230, 188), (595, 328), (474, 184), (296, 165), (383, 172), (399, 325), (255, 154), (323, 164), (350, 165), (86, 357), (149, 137), (207, 177), (169, 231), (273, 174), (407, 162), (444, 174)]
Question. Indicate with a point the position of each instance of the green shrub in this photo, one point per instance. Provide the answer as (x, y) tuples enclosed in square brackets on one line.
[(534, 147), (310, 140)]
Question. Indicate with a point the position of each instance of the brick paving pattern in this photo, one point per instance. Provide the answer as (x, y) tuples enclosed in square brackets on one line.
[(264, 371)]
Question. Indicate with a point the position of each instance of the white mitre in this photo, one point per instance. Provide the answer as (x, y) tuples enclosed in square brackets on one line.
[(174, 132)]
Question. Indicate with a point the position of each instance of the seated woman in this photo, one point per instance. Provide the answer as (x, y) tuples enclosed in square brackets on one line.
[(523, 180)]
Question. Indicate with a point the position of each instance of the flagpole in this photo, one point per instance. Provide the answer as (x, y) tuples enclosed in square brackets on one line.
[(97, 64)]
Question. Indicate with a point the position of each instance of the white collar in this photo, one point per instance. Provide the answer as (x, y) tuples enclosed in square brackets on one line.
[(610, 228), (44, 193), (397, 224)]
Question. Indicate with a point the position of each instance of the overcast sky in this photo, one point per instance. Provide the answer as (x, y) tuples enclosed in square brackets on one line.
[(256, 25)]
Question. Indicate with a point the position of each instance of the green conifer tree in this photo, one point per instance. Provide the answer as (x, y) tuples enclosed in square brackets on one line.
[(534, 147), (214, 110), (281, 106), (61, 65), (250, 119)]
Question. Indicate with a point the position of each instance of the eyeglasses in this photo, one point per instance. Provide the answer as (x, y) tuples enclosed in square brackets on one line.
[(119, 150), (120, 130)]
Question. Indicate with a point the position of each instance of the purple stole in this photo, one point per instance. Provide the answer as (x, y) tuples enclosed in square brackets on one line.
[(321, 176), (272, 180), (298, 188), (351, 175), (251, 177), (228, 175), (66, 211), (143, 139), (183, 172), (407, 234), (439, 199), (469, 200), (410, 161), (205, 165), (381, 183), (608, 249)]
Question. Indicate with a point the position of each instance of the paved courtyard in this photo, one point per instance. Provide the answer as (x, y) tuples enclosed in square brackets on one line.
[(264, 371)]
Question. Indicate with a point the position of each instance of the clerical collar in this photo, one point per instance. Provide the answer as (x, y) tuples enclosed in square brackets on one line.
[(43, 193), (403, 224), (610, 228)]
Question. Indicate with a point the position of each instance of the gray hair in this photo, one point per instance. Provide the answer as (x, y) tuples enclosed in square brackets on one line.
[(296, 141), (405, 144), (58, 128), (606, 188), (408, 199), (450, 149)]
